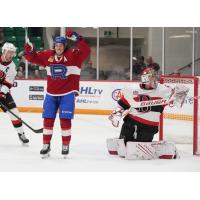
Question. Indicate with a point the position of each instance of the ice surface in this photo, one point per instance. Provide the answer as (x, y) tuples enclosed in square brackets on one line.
[(87, 152)]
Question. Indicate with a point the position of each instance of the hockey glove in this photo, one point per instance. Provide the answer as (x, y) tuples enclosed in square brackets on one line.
[(74, 36), (28, 47), (116, 116), (180, 95), (2, 97), (2, 75)]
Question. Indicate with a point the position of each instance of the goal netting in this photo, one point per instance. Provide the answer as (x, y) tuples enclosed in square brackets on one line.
[(182, 125)]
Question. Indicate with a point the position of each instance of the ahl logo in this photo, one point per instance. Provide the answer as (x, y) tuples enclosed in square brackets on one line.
[(116, 94)]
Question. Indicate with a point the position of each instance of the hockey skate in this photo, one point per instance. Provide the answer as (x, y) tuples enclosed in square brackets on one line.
[(45, 151), (65, 151), (23, 138)]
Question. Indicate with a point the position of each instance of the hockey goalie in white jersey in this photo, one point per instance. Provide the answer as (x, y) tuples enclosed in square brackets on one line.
[(141, 107)]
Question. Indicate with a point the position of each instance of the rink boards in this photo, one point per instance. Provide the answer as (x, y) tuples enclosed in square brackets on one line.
[(96, 97)]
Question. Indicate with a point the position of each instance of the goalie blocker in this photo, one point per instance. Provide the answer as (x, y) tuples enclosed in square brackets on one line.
[(142, 150)]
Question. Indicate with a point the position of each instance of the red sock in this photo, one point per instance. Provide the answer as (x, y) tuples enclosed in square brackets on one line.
[(66, 131), (48, 130), (47, 139), (66, 140)]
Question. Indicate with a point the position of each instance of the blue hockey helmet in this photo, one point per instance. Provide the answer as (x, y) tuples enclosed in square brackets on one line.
[(60, 39)]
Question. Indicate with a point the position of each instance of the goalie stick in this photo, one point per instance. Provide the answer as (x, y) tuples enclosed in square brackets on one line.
[(34, 130)]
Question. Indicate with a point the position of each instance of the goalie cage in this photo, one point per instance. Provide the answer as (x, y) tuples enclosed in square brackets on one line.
[(185, 126)]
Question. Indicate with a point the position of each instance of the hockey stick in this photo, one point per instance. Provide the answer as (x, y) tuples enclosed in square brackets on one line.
[(34, 130), (26, 35)]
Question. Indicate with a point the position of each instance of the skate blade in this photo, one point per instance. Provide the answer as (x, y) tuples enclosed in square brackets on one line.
[(45, 156)]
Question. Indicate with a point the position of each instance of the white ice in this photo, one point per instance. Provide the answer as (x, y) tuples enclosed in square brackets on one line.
[(88, 148)]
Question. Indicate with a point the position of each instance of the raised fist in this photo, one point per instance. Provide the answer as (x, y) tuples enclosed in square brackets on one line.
[(28, 47), (74, 36)]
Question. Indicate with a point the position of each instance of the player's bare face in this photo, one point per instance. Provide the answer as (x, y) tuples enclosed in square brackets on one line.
[(8, 55), (59, 48)]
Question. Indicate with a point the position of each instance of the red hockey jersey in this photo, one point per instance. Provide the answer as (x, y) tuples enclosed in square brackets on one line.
[(63, 73)]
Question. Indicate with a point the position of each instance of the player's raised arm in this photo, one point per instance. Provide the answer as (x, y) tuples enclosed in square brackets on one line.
[(83, 50), (35, 57)]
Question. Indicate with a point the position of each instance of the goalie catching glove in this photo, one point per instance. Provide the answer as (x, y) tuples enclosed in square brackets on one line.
[(180, 93), (116, 115)]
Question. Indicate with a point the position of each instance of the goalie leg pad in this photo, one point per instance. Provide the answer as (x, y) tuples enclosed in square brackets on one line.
[(112, 146), (140, 150), (151, 150), (116, 146), (165, 150), (121, 148)]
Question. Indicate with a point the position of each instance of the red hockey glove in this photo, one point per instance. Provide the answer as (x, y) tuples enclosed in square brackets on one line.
[(74, 36), (28, 47), (116, 116), (2, 75)]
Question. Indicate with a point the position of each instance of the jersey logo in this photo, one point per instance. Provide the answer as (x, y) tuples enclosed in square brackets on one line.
[(58, 71), (50, 59), (144, 98)]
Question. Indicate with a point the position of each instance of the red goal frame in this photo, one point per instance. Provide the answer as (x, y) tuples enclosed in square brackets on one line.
[(179, 80)]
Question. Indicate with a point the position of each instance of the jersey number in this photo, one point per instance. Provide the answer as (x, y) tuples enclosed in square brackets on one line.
[(144, 98)]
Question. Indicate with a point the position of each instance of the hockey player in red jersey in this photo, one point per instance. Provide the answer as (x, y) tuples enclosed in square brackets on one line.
[(141, 123), (63, 66), (7, 76)]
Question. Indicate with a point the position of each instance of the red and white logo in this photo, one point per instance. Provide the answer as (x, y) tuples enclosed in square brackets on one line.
[(116, 94)]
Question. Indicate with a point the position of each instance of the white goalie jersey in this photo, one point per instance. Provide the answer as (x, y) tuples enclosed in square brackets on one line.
[(147, 115), (145, 106)]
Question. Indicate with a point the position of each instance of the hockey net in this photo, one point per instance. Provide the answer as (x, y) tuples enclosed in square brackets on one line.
[(182, 125)]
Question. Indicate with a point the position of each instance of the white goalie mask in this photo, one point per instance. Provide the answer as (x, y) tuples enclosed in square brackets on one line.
[(148, 77), (9, 47)]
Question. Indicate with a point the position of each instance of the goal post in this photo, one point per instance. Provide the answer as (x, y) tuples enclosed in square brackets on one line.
[(189, 112)]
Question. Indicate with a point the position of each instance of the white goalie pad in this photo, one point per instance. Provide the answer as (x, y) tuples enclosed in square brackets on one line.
[(116, 146), (140, 150), (151, 150), (112, 145), (121, 148)]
